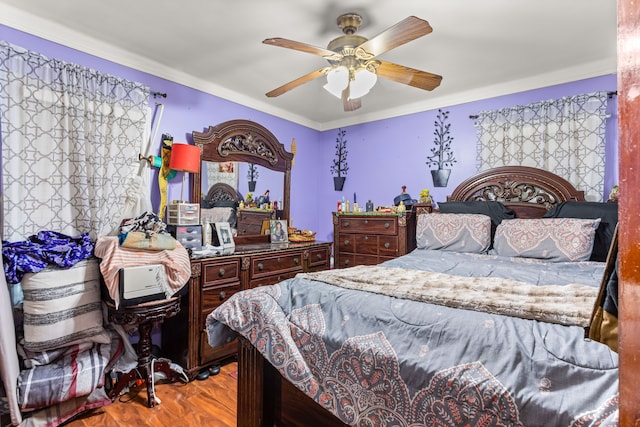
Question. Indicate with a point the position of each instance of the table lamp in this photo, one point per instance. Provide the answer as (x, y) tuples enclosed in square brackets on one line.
[(184, 158)]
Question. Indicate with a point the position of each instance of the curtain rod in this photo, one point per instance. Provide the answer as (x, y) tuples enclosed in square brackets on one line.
[(159, 94), (609, 95)]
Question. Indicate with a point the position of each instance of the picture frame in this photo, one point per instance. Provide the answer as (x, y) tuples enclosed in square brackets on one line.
[(278, 231), (223, 237), (265, 229)]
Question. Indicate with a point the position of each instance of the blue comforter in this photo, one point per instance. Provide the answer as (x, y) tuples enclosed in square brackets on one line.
[(372, 359)]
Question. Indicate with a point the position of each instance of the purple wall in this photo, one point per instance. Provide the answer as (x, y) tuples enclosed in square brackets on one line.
[(383, 155), (387, 154)]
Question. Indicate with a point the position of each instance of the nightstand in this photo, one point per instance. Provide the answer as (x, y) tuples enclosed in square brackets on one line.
[(369, 238)]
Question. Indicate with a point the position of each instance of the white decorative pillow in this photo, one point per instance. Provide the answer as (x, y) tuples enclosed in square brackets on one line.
[(454, 232), (63, 307), (553, 239)]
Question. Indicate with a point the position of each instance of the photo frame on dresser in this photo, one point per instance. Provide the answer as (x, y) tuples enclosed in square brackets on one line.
[(278, 231), (222, 237)]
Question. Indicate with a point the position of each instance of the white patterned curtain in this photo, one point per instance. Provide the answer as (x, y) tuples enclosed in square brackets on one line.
[(565, 136), (70, 143)]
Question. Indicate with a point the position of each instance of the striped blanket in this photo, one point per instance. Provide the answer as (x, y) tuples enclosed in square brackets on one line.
[(114, 257), (59, 375)]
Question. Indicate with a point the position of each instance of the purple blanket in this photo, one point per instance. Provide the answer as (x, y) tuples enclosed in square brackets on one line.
[(42, 249)]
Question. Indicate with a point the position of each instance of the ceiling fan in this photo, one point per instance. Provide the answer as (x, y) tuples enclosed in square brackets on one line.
[(354, 67)]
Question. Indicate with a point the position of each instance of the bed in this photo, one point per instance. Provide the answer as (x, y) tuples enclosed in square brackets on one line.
[(448, 334), (220, 204)]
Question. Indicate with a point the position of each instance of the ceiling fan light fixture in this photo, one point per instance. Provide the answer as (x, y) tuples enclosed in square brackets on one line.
[(337, 81), (363, 81)]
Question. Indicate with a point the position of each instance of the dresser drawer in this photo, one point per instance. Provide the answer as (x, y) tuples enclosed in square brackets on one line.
[(366, 244), (220, 272), (211, 298), (345, 260), (351, 260), (366, 259), (275, 264), (318, 257), (346, 243), (388, 245), (250, 222), (372, 225), (271, 280), (208, 353)]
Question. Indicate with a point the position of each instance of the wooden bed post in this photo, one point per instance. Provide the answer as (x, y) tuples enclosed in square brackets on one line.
[(250, 383), (629, 244)]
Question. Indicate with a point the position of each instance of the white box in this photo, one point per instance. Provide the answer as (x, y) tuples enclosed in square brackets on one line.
[(141, 283), (183, 214)]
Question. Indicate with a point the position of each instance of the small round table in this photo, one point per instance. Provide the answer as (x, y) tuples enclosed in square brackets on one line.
[(144, 316)]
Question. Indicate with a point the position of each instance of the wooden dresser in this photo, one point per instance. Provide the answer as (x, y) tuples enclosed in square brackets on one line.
[(250, 220), (215, 279), (371, 238)]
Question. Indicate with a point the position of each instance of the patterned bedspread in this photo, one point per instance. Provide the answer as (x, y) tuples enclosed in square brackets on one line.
[(374, 359)]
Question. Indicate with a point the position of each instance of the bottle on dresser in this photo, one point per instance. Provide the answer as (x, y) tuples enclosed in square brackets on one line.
[(206, 231)]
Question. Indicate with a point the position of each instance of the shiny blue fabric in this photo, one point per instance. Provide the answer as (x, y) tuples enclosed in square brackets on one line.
[(42, 249)]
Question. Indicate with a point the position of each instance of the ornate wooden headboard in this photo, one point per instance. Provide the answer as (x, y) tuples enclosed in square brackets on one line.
[(221, 192), (528, 191)]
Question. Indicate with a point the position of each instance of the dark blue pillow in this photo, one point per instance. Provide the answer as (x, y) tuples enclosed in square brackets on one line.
[(607, 212)]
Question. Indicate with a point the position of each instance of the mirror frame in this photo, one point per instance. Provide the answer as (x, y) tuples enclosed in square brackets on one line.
[(243, 141)]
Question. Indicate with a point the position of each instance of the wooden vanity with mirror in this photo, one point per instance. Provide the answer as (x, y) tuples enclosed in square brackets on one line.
[(255, 261)]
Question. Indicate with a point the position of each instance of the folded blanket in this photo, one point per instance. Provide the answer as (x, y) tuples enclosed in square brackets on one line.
[(43, 249), (142, 240), (176, 263), (57, 376), (563, 304)]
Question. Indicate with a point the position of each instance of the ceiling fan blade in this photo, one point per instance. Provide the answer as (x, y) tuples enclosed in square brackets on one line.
[(350, 104), (408, 76), (403, 32), (297, 82), (303, 47)]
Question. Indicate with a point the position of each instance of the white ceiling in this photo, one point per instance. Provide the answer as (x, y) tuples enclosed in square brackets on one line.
[(481, 48)]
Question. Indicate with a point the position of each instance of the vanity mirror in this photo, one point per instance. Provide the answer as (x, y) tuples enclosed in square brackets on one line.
[(242, 142)]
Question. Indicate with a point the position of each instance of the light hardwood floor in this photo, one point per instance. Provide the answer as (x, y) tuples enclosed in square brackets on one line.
[(210, 403)]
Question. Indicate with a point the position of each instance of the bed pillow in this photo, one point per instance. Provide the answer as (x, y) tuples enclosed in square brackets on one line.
[(454, 232), (494, 210), (607, 212), (63, 307), (552, 239)]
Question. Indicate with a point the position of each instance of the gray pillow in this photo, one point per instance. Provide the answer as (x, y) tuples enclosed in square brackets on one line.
[(552, 239), (494, 210), (454, 232), (607, 212)]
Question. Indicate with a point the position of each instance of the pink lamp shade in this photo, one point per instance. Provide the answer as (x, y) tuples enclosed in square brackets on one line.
[(185, 158)]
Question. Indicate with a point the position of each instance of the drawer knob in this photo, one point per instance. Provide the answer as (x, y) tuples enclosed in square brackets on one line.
[(366, 237), (296, 261), (260, 266), (387, 225), (366, 221), (346, 242), (346, 262), (319, 256), (278, 259), (223, 295), (221, 272), (386, 245), (345, 224)]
